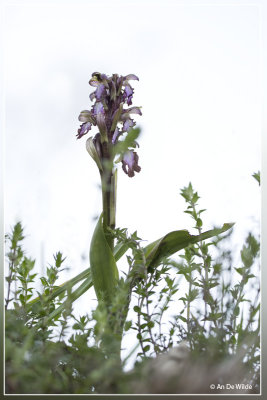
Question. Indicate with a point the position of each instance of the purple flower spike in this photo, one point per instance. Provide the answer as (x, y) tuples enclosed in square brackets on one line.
[(130, 163), (110, 113)]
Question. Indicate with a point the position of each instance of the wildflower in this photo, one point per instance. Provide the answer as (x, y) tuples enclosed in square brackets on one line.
[(108, 114), (130, 163)]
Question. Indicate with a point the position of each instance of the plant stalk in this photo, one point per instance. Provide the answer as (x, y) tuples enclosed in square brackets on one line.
[(108, 185)]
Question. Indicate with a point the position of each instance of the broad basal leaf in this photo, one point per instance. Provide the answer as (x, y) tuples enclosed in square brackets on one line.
[(73, 296), (175, 241), (119, 251), (103, 265), (65, 286)]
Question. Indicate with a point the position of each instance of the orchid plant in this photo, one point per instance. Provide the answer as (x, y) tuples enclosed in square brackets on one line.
[(113, 143), (113, 122), (209, 316)]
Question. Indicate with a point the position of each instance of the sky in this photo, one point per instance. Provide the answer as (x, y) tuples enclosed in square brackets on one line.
[(200, 75)]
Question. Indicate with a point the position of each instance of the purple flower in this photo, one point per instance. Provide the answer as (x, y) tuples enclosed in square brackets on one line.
[(130, 163), (98, 108), (133, 110), (87, 116), (100, 91), (128, 94), (131, 77), (111, 94), (115, 136), (128, 123), (84, 129)]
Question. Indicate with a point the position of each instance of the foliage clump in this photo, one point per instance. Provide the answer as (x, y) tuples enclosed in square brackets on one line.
[(195, 318)]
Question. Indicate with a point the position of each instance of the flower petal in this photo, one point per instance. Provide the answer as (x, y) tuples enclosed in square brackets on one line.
[(131, 77), (128, 123), (133, 110), (128, 90), (115, 135), (84, 129), (119, 83), (101, 123), (116, 117), (92, 96), (94, 81), (103, 77), (113, 91), (100, 90), (98, 108), (86, 116), (130, 163), (91, 148), (128, 94)]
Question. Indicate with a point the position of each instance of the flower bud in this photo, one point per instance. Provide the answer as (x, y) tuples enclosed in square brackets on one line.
[(90, 147)]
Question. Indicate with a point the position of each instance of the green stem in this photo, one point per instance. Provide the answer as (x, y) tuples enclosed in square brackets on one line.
[(108, 176), (10, 278), (106, 203), (108, 184), (188, 309)]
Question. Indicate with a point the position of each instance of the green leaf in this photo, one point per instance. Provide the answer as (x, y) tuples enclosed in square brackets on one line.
[(193, 294), (241, 271), (62, 288), (76, 326), (199, 223), (127, 325), (58, 257), (146, 348), (257, 176), (118, 253), (182, 318), (150, 324), (236, 311), (129, 141), (103, 264), (73, 296), (175, 241), (120, 249)]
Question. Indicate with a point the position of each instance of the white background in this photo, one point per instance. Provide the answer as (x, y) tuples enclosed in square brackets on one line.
[(200, 71)]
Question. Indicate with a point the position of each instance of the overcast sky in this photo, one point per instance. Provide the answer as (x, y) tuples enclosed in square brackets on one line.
[(200, 71)]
